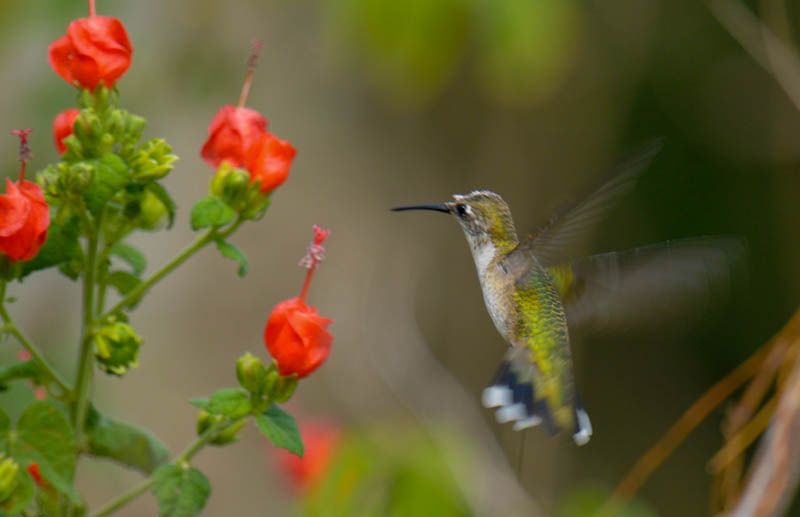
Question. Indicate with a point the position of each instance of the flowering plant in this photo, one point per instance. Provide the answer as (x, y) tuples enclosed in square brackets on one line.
[(78, 216)]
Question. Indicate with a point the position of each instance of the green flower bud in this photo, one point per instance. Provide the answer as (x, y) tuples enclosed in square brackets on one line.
[(251, 373), (94, 125), (257, 205), (101, 98), (205, 420), (85, 99), (271, 379), (106, 143), (284, 388), (117, 348), (8, 477), (152, 212), (116, 123), (135, 126), (231, 185), (153, 160), (228, 435)]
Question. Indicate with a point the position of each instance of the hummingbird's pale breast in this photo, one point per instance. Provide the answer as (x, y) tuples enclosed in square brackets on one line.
[(497, 286)]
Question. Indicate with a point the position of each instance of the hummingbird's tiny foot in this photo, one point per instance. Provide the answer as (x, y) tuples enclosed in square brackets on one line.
[(495, 396), (508, 413), (531, 421)]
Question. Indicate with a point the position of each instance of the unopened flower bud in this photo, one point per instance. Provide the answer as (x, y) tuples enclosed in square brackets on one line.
[(284, 388), (117, 348), (228, 435), (153, 160), (152, 211), (231, 185), (251, 373), (135, 126)]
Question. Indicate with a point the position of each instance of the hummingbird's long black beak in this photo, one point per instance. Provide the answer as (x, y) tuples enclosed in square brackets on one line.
[(435, 207)]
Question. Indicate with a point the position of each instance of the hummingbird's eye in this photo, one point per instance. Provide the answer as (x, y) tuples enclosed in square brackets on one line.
[(461, 209)]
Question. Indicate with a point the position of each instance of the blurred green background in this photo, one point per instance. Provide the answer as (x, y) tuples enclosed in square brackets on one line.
[(391, 103)]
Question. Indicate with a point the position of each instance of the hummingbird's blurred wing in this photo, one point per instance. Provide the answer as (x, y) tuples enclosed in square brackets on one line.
[(550, 243), (675, 282)]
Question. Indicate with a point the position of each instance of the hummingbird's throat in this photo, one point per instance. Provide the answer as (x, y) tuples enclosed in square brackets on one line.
[(483, 252)]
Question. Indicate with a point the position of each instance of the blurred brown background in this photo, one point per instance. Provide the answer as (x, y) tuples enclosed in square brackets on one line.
[(391, 103)]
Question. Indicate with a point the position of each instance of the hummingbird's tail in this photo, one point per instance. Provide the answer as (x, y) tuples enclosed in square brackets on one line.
[(516, 402)]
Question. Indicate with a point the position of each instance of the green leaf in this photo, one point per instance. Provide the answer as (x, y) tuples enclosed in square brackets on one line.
[(161, 193), (281, 428), (48, 472), (124, 443), (23, 370), (230, 402), (180, 492), (131, 256), (111, 174), (230, 251), (123, 281), (61, 247), (202, 403), (211, 211), (43, 435), (5, 427), (21, 497), (42, 428)]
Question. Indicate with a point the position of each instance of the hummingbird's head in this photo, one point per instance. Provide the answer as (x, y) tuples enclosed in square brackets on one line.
[(485, 219)]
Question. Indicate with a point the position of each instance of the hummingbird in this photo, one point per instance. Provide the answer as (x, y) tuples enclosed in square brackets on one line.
[(536, 299)]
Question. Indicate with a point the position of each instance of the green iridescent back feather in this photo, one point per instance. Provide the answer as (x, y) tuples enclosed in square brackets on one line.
[(542, 328)]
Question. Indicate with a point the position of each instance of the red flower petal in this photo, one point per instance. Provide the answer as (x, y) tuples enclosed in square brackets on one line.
[(296, 338), (23, 232), (63, 127), (269, 160), (14, 209), (95, 49), (232, 131)]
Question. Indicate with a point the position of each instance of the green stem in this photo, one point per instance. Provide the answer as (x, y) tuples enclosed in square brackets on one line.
[(201, 241), (86, 360), (103, 262), (188, 453), (11, 327)]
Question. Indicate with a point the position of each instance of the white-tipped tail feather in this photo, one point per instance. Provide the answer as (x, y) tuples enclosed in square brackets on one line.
[(584, 427), (510, 413), (516, 402), (531, 421), (495, 396)]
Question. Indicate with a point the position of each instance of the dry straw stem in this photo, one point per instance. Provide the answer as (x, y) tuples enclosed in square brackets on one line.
[(740, 431), (775, 471), (761, 43), (698, 411)]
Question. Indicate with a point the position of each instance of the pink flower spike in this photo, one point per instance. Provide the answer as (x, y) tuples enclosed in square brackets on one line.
[(313, 257), (25, 153), (24, 355)]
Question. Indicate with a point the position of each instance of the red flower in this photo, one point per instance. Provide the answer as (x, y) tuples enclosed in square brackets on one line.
[(94, 49), (62, 127), (239, 136), (33, 470), (24, 219), (231, 134), (296, 334), (269, 160), (296, 337), (320, 440)]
